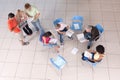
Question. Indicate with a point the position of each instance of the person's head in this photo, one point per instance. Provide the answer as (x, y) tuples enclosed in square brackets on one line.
[(88, 28), (11, 15), (27, 6), (100, 49), (48, 34), (57, 26), (18, 12)]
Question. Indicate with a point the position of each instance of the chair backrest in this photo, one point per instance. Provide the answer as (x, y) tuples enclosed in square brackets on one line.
[(100, 28), (58, 20), (80, 18), (77, 23), (59, 62)]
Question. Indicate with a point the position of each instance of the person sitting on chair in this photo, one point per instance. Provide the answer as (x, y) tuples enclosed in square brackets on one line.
[(61, 29), (46, 39), (94, 56), (91, 33)]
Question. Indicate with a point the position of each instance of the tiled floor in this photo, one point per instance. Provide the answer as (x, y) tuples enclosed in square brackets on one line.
[(32, 62)]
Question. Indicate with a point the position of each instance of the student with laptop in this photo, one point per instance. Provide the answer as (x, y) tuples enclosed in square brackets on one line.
[(94, 56)]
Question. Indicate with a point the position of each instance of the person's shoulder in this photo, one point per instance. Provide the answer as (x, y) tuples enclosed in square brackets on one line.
[(34, 7)]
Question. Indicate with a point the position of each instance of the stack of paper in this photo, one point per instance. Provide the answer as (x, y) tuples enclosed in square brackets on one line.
[(74, 51), (69, 33), (81, 38), (53, 41), (76, 26)]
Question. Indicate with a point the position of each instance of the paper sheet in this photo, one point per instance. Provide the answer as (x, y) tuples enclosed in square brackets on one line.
[(54, 41), (76, 26), (69, 33), (81, 38), (74, 51)]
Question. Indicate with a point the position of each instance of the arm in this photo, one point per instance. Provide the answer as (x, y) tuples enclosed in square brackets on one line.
[(68, 27), (61, 32), (28, 15), (36, 16), (44, 40)]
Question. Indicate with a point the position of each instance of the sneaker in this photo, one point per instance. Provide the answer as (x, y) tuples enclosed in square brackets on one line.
[(88, 47), (26, 43)]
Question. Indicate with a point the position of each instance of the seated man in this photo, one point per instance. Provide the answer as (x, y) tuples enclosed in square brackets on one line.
[(91, 33), (61, 29), (47, 40), (94, 56)]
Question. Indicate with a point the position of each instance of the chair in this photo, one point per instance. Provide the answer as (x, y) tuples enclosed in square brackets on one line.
[(77, 23), (58, 62), (100, 28), (58, 20)]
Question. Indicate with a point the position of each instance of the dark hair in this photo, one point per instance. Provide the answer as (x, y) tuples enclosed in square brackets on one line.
[(11, 15), (27, 5), (47, 34), (58, 25), (100, 49)]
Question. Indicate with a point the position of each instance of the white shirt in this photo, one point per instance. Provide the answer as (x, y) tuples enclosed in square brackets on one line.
[(62, 26)]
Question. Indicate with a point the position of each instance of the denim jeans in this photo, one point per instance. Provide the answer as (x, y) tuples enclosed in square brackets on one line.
[(61, 35), (37, 25), (88, 36), (90, 43), (61, 38), (41, 34)]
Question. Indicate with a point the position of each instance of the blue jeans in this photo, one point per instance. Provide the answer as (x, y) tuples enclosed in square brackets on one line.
[(37, 25), (90, 43), (41, 34), (61, 38), (88, 36)]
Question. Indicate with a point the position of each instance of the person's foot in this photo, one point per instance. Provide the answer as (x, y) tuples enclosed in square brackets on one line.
[(26, 43), (88, 47)]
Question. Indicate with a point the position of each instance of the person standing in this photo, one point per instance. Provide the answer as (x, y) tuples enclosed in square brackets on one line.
[(13, 26), (91, 33), (34, 14), (22, 20)]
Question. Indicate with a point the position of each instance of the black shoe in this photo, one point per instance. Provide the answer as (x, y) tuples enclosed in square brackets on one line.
[(26, 43), (88, 47)]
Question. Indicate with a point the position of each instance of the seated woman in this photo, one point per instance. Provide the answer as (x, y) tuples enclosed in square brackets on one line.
[(61, 29), (47, 41), (94, 56)]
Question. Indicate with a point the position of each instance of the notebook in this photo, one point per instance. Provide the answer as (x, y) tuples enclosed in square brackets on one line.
[(76, 26), (52, 40), (69, 33), (88, 54), (81, 38)]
